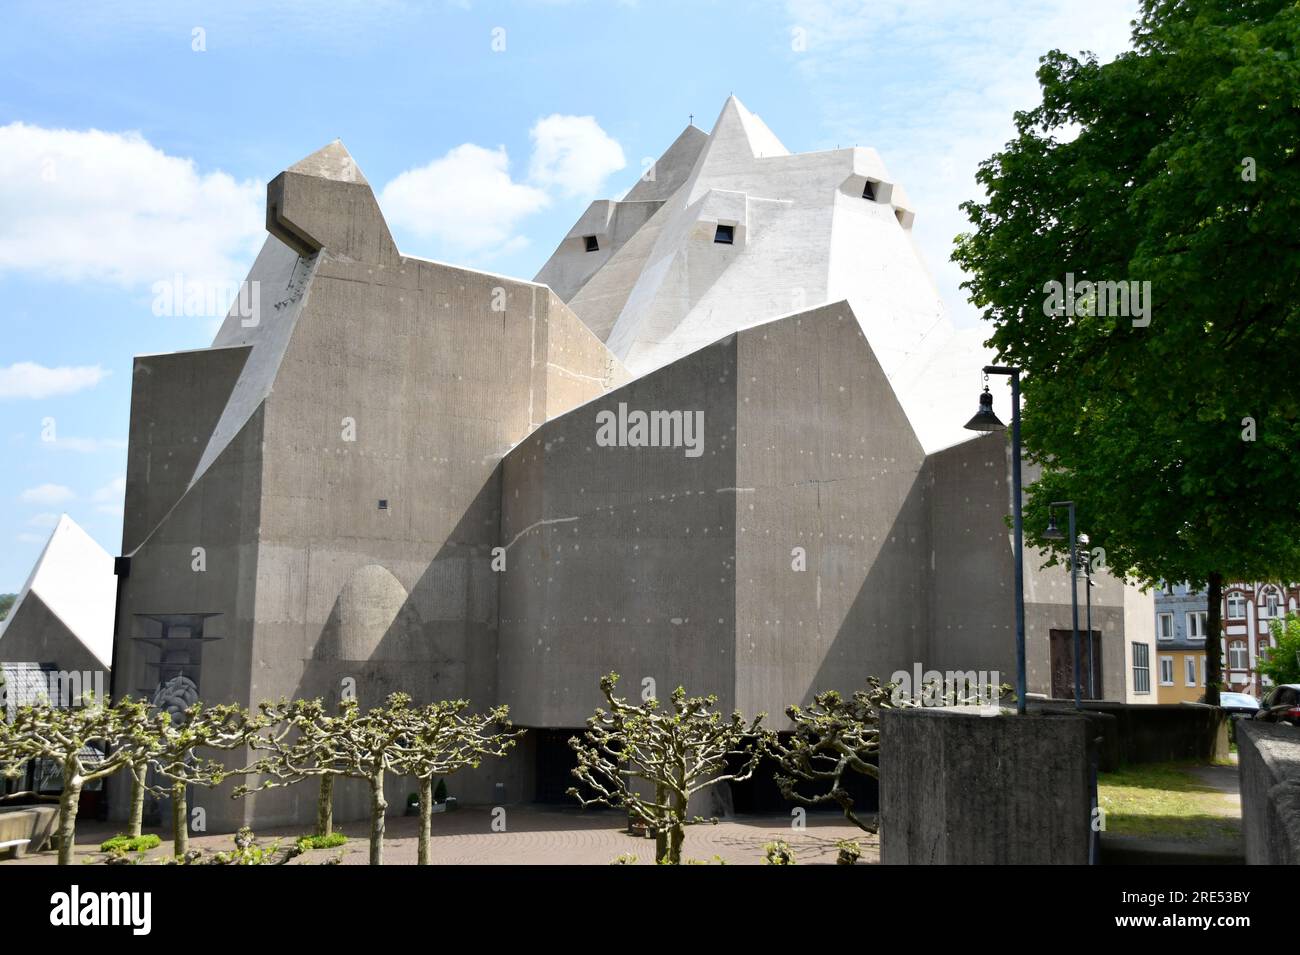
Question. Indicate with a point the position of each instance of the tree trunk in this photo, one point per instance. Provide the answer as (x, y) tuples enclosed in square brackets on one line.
[(661, 834), (378, 806), (426, 818), (135, 821), (69, 801), (180, 821), (1214, 640), (325, 806), (677, 834)]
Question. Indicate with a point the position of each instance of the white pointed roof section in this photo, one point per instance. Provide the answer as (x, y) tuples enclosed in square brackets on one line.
[(74, 578), (807, 229)]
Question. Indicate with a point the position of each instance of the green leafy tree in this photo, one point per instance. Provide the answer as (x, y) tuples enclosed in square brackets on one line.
[(6, 604), (1173, 427), (650, 759), (1281, 662)]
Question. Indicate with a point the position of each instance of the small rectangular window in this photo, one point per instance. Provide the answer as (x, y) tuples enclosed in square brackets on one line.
[(1141, 668), (1236, 607), (1165, 630), (383, 503), (869, 191), (1196, 624), (726, 234), (1190, 664), (589, 241), (1166, 671)]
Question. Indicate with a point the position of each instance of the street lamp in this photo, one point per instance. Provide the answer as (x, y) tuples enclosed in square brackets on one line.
[(985, 420), (1086, 541), (1053, 533)]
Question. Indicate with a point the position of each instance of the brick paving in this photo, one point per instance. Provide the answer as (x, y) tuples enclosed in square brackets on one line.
[(534, 835)]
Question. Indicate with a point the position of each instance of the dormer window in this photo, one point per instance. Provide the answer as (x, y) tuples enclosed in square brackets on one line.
[(726, 234), (589, 241), (869, 190)]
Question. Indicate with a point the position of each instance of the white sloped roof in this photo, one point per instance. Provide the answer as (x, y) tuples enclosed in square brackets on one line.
[(74, 578)]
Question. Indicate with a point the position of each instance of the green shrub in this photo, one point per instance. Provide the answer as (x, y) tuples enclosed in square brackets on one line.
[(123, 843), (778, 853), (849, 852), (332, 841)]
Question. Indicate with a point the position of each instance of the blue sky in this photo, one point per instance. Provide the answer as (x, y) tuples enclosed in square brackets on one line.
[(136, 141)]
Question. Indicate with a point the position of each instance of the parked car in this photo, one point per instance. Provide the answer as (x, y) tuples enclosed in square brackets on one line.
[(1281, 704), (1236, 704)]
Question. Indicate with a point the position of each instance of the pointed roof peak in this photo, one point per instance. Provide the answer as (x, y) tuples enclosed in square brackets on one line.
[(332, 161), (737, 124)]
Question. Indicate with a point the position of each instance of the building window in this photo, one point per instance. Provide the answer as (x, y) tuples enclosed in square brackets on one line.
[(1236, 607), (1237, 659), (1165, 626), (1189, 667), (1141, 668), (869, 191), (1196, 624), (589, 241), (726, 234), (1203, 666), (383, 503), (1270, 605), (1166, 671)]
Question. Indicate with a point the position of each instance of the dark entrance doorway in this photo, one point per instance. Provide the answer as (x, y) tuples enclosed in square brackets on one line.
[(1063, 664), (555, 765)]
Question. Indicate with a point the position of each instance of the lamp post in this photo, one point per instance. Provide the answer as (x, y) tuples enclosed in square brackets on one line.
[(1053, 533), (986, 420), (1086, 541)]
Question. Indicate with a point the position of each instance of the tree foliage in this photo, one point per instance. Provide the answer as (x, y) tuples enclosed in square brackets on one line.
[(1175, 164), (650, 759), (1280, 662)]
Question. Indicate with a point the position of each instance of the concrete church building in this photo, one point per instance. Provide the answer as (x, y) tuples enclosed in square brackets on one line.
[(718, 443)]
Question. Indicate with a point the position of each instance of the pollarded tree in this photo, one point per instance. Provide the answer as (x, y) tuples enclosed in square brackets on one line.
[(833, 737), (441, 739), (307, 721), (83, 740), (354, 745), (178, 761), (672, 753), (1164, 410)]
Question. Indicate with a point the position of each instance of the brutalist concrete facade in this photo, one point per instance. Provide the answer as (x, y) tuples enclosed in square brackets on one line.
[(397, 474)]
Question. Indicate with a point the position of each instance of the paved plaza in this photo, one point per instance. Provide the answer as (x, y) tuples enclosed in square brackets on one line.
[(534, 836)]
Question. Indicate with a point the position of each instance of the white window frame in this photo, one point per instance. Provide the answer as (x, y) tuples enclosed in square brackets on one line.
[(1245, 654), (1236, 602), (1272, 606), (1161, 618), (1202, 621), (1166, 667), (1189, 670)]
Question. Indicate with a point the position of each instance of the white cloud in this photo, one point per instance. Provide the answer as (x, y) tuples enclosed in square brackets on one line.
[(46, 494), (469, 203), (943, 86), (465, 200), (573, 154), (92, 205), (27, 379), (111, 492)]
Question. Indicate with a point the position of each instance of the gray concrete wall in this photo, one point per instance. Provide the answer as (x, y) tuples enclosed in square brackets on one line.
[(958, 788), (36, 635), (621, 558), (1269, 766), (827, 463), (972, 591)]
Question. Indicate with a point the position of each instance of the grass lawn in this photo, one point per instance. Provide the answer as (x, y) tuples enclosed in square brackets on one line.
[(1165, 802)]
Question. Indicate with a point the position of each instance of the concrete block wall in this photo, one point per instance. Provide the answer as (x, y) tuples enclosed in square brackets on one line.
[(1269, 766)]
